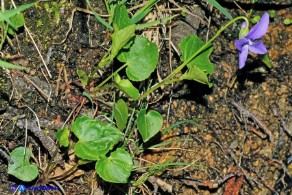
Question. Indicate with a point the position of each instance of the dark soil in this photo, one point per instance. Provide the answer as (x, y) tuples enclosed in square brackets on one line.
[(236, 134)]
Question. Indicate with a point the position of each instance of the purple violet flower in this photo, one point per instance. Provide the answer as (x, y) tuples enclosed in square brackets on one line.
[(249, 41)]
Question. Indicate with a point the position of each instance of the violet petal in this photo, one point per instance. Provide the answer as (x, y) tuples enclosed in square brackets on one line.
[(258, 47), (260, 28), (243, 56), (240, 43)]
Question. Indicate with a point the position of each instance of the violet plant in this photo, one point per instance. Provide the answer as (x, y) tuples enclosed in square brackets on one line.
[(105, 142), (250, 42), (140, 58)]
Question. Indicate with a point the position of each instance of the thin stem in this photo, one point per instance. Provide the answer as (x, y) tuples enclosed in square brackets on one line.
[(103, 62), (178, 69), (108, 78), (112, 85), (126, 142), (51, 163), (4, 34), (106, 2), (251, 10)]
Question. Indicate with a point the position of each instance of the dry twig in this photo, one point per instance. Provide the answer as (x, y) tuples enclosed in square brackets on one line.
[(155, 181), (283, 123), (256, 119), (47, 141), (210, 184)]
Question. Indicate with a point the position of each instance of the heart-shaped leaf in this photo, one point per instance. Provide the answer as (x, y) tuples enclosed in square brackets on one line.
[(121, 114), (190, 45), (21, 168), (149, 124), (95, 138), (116, 168), (142, 59)]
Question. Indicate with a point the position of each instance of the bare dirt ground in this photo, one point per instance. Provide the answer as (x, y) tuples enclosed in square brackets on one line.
[(238, 132)]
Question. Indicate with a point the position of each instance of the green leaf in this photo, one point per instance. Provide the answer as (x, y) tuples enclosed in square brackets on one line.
[(116, 168), (142, 59), (255, 19), (4, 64), (95, 138), (10, 31), (272, 13), (82, 76), (201, 63), (21, 168), (124, 53), (62, 136), (266, 60), (196, 74), (287, 21), (120, 38), (220, 8), (149, 124), (7, 14), (189, 45), (18, 21), (127, 87), (121, 114), (121, 18)]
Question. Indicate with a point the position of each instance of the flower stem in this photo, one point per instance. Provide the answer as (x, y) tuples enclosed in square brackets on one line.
[(178, 69), (103, 62), (108, 78)]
